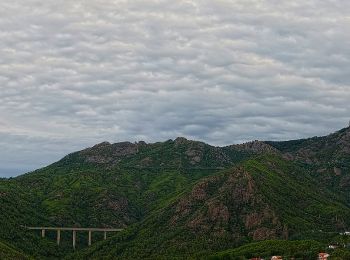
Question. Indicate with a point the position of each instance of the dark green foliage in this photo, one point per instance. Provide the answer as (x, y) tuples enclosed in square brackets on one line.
[(297, 198), (184, 199), (256, 199), (327, 158), (304, 249), (7, 252), (341, 253)]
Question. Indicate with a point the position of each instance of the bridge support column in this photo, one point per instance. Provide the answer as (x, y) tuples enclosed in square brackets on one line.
[(58, 237), (43, 233), (89, 237), (104, 235), (74, 238)]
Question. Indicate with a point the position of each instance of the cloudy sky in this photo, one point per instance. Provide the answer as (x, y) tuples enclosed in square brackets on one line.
[(74, 73)]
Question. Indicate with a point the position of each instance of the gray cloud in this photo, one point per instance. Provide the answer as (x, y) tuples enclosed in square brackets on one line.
[(75, 73)]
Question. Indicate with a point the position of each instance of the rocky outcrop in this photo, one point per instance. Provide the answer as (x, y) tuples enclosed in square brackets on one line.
[(180, 141), (106, 153), (195, 152), (256, 146), (323, 150), (337, 171), (220, 203)]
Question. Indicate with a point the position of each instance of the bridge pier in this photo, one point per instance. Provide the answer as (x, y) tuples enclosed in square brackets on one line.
[(89, 243), (58, 237), (74, 234), (74, 238)]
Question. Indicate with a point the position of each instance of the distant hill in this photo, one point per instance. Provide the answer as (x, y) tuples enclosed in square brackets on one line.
[(327, 157), (182, 198)]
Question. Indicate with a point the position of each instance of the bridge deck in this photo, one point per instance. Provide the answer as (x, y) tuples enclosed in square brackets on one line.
[(74, 230), (77, 229)]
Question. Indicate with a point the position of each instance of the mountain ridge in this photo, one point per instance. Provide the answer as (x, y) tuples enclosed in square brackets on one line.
[(183, 198)]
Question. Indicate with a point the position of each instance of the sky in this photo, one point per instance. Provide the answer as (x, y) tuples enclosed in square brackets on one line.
[(75, 73)]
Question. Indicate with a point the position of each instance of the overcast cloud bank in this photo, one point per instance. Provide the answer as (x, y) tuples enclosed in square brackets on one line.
[(75, 73)]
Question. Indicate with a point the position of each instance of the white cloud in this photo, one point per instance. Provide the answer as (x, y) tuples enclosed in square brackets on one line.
[(73, 73)]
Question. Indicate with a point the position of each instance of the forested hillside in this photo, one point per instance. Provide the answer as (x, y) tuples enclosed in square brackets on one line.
[(181, 198)]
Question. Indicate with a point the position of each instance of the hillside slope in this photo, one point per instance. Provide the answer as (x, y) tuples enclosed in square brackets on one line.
[(108, 185), (7, 252), (180, 197), (305, 249), (263, 198), (18, 210), (327, 157)]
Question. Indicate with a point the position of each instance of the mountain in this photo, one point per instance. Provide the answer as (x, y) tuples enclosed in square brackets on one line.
[(327, 157), (181, 198), (333, 149), (263, 198), (108, 185)]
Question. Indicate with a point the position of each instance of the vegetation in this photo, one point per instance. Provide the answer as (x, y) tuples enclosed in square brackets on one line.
[(303, 249), (7, 252), (231, 208), (185, 199)]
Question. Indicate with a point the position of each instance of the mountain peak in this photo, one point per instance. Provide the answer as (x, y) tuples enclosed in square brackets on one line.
[(257, 147), (180, 140), (108, 153), (103, 144)]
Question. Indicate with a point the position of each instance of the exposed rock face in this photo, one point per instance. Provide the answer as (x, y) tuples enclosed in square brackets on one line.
[(337, 171), (258, 147), (184, 154), (344, 142), (336, 146), (327, 156), (195, 153), (145, 162), (263, 234), (142, 143), (345, 182), (105, 152), (220, 204), (118, 205), (180, 141)]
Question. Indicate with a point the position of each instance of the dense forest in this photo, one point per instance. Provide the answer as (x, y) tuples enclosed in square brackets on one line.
[(182, 199)]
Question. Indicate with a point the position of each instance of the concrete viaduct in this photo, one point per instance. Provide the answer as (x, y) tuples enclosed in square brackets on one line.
[(74, 230)]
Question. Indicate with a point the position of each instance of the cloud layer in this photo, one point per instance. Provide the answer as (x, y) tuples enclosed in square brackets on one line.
[(74, 73)]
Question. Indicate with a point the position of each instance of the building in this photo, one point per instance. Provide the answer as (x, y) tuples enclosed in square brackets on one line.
[(323, 256)]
